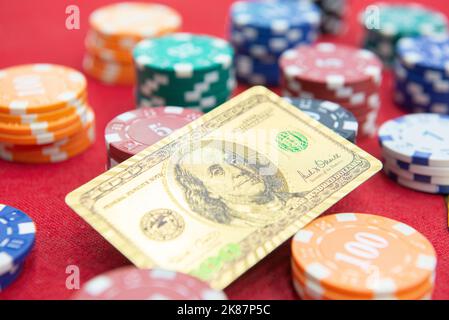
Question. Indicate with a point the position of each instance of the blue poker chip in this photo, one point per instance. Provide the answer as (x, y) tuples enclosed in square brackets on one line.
[(253, 71), (415, 185), (17, 236), (251, 41), (8, 278), (415, 89), (274, 17), (421, 138), (429, 81), (421, 54), (330, 114), (417, 169), (420, 102), (422, 178)]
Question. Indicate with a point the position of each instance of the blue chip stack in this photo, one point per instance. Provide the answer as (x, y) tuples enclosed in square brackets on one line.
[(261, 30), (17, 235), (422, 74), (415, 148)]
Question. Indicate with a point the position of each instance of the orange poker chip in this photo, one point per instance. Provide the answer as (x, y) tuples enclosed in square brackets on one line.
[(42, 127), (111, 73), (107, 54), (56, 152), (315, 291), (62, 155), (85, 133), (364, 255), (73, 108), (48, 137), (133, 20), (38, 88), (122, 44)]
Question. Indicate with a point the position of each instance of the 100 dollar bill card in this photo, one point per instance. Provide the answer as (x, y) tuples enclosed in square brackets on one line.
[(215, 197)]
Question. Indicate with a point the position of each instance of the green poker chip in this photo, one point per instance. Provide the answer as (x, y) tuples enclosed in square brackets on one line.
[(183, 54), (186, 92), (385, 24), (203, 101), (161, 82), (192, 71), (399, 20)]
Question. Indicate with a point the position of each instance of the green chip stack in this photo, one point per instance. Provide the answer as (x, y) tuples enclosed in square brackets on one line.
[(182, 69), (385, 24)]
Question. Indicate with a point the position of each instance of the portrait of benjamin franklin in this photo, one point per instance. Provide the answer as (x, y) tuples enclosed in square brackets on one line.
[(224, 183)]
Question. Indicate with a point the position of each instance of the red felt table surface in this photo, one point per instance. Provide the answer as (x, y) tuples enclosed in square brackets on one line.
[(34, 31)]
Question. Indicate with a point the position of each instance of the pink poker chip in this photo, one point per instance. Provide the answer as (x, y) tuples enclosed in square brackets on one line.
[(131, 132), (131, 283)]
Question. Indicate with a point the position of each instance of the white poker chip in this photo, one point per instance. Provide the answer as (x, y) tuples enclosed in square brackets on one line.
[(420, 138)]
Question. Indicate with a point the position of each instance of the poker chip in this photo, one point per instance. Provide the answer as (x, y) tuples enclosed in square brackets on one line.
[(422, 74), (419, 186), (417, 169), (9, 277), (43, 106), (17, 236), (115, 30), (130, 283), (48, 136), (384, 258), (416, 151), (134, 20), (261, 30), (404, 174), (38, 88), (332, 15), (51, 153), (187, 70), (108, 72), (74, 108), (421, 139), (385, 26), (132, 132), (345, 75), (330, 114)]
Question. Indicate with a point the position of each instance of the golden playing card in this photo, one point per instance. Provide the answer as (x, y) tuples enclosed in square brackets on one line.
[(217, 196)]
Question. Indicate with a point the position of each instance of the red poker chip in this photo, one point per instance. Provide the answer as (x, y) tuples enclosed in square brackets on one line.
[(332, 65), (131, 283), (355, 100), (344, 94), (133, 131)]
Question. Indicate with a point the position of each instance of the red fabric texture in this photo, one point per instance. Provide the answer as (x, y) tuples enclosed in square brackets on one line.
[(34, 31)]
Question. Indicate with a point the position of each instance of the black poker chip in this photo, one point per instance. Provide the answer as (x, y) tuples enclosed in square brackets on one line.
[(330, 114)]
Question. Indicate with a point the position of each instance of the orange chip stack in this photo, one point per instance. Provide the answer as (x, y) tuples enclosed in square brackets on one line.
[(44, 115), (362, 256), (115, 30)]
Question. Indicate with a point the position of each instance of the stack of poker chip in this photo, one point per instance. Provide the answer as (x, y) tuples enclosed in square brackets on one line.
[(384, 24), (133, 131), (44, 115), (330, 114), (130, 283), (261, 30), (416, 151), (355, 256), (115, 30), (17, 235), (345, 75), (183, 69), (332, 15), (422, 74)]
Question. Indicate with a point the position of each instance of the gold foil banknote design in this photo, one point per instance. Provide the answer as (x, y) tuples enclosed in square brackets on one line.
[(217, 196)]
